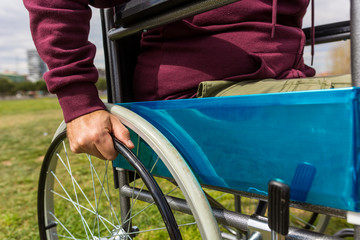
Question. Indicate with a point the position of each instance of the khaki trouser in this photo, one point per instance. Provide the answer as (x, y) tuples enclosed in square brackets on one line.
[(230, 88)]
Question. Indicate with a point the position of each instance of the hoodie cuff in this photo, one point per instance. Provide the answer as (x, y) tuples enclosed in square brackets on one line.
[(79, 99)]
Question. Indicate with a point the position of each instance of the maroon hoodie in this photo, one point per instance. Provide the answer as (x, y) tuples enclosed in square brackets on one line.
[(249, 39)]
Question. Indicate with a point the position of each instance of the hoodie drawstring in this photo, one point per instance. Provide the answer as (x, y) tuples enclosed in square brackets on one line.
[(273, 19)]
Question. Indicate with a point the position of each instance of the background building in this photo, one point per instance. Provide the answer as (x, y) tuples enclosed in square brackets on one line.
[(102, 73), (14, 77), (36, 66)]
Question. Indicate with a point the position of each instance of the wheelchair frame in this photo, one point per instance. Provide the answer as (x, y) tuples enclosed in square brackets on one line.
[(118, 39), (121, 37)]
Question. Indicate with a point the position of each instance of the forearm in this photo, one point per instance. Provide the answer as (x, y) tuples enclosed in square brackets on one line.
[(60, 31)]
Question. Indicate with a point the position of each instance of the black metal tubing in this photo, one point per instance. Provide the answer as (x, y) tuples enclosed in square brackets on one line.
[(329, 32), (113, 58), (106, 55), (329, 29), (154, 189), (122, 56), (261, 208), (323, 33), (137, 11), (177, 13)]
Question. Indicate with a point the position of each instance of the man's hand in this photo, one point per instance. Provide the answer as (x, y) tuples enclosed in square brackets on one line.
[(90, 134)]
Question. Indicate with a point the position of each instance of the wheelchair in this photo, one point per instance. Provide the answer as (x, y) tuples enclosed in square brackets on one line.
[(286, 164)]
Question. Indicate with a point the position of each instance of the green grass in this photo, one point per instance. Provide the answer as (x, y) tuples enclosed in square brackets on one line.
[(26, 128)]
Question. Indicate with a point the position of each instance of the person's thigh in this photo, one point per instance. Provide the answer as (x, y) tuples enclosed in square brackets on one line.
[(230, 88)]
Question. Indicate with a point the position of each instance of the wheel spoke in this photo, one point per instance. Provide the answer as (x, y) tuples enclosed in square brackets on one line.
[(96, 214), (102, 188), (96, 218), (74, 204), (99, 198), (84, 195), (302, 220), (62, 225), (82, 203), (149, 205), (85, 208), (72, 180)]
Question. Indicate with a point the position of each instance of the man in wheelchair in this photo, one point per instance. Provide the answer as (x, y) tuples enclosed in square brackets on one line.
[(243, 42)]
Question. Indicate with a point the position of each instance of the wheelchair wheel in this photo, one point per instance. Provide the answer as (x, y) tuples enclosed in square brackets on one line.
[(78, 198)]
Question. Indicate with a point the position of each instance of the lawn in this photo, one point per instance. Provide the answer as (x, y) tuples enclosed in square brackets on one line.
[(26, 128)]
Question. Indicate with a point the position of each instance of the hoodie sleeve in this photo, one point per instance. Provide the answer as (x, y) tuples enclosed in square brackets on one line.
[(60, 30)]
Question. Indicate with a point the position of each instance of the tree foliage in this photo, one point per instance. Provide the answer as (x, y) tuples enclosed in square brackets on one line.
[(25, 86), (7, 87), (101, 84), (41, 86)]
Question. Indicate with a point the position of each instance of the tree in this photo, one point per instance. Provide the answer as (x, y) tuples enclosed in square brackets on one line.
[(101, 84), (340, 59), (7, 87), (41, 86), (25, 86)]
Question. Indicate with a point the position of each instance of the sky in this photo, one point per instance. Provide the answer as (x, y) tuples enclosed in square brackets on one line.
[(15, 37)]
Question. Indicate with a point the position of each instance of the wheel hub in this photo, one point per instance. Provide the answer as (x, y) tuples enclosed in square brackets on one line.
[(119, 234), (116, 234)]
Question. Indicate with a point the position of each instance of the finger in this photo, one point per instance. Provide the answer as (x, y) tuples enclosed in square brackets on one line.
[(87, 148), (105, 146), (80, 143), (91, 134), (93, 151), (121, 132)]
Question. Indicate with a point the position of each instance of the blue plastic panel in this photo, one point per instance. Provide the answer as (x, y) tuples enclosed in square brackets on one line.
[(308, 139)]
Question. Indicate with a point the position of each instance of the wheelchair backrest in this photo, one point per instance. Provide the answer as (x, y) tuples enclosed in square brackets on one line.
[(123, 26)]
